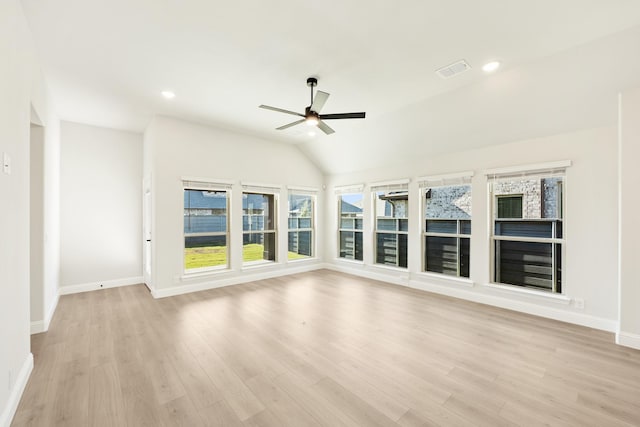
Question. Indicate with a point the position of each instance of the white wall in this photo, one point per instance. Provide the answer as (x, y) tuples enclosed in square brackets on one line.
[(590, 267), (36, 218), (22, 87), (629, 332), (174, 149), (101, 207)]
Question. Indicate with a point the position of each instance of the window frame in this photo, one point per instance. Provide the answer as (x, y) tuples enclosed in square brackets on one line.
[(354, 230), (457, 235), (313, 196), (382, 188), (510, 196), (212, 187), (553, 241), (266, 191)]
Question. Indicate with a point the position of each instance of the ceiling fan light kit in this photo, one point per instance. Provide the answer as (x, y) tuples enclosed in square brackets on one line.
[(312, 114)]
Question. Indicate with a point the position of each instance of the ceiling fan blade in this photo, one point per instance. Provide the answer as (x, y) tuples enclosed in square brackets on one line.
[(319, 100), (325, 128), (297, 122), (342, 116), (280, 110)]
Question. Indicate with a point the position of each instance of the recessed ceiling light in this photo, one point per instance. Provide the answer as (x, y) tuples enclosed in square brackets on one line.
[(168, 94), (490, 67)]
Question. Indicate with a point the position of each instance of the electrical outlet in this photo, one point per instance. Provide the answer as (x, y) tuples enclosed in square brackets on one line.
[(578, 303), (6, 163)]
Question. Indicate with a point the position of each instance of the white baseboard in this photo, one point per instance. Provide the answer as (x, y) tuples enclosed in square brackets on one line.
[(628, 339), (483, 296), (384, 275), (40, 326), (554, 313), (237, 279), (16, 392), (93, 286), (37, 327)]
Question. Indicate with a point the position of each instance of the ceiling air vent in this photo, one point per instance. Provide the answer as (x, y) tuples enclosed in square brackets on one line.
[(453, 69)]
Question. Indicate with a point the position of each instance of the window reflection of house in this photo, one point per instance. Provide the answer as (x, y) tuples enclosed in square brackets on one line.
[(447, 230), (300, 238), (258, 225), (392, 226), (527, 232), (350, 228)]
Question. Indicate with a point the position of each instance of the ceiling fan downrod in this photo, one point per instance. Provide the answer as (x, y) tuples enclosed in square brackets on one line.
[(312, 82)]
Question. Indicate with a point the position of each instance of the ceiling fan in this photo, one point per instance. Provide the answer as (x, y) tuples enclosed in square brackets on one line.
[(312, 114)]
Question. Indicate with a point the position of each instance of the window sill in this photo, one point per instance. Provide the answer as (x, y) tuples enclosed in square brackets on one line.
[(449, 280), (515, 290), (301, 260), (350, 261), (391, 267), (204, 273), (253, 265)]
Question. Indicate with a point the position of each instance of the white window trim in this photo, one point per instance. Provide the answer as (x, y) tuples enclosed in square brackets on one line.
[(397, 185), (396, 268), (349, 189), (520, 290), (444, 278), (303, 191), (211, 272), (349, 260), (206, 183), (260, 188), (445, 180), (526, 170)]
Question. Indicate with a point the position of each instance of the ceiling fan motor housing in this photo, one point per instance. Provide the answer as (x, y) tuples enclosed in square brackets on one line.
[(310, 113)]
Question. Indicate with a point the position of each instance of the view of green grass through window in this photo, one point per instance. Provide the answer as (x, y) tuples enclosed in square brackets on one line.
[(258, 228), (205, 229)]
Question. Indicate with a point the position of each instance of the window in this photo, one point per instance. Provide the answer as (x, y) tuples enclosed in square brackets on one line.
[(391, 204), (206, 229), (447, 228), (527, 238), (301, 224), (350, 225), (509, 206), (259, 228)]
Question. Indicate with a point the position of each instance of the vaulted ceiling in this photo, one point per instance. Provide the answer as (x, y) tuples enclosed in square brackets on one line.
[(563, 63)]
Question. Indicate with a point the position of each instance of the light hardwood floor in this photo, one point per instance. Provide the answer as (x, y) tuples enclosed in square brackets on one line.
[(320, 349)]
